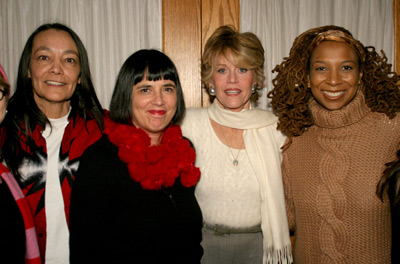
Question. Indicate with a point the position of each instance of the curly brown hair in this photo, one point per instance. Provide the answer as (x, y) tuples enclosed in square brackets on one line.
[(246, 49), (290, 96)]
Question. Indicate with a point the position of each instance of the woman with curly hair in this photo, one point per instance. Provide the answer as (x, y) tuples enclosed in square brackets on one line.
[(337, 102)]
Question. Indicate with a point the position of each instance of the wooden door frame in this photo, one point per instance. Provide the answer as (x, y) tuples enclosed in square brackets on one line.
[(396, 24), (184, 37)]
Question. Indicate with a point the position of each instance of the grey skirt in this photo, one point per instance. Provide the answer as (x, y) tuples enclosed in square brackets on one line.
[(245, 248)]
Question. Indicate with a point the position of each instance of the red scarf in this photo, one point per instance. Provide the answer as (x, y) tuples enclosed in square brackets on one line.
[(157, 166)]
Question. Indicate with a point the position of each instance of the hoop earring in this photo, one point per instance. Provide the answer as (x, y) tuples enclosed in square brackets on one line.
[(211, 91), (253, 89)]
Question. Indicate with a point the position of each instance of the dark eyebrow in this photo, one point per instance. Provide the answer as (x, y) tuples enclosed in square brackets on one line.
[(143, 86), (350, 61), (169, 85), (45, 48)]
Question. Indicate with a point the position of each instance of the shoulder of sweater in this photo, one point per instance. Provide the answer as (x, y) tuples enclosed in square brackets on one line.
[(195, 112), (273, 122), (272, 131), (195, 124), (267, 113), (279, 136), (385, 121), (193, 115)]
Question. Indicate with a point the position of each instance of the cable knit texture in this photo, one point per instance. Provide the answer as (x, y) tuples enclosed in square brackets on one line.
[(330, 176)]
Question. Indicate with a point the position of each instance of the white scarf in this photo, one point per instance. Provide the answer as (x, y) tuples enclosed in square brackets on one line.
[(266, 164)]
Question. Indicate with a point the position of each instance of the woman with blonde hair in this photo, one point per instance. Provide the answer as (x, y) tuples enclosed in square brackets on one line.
[(240, 191)]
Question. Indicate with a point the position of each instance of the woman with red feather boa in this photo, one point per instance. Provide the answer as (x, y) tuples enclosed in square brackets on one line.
[(133, 200)]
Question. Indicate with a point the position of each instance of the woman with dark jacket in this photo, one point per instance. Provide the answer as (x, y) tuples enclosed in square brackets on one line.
[(53, 116), (18, 242), (133, 200), (390, 182)]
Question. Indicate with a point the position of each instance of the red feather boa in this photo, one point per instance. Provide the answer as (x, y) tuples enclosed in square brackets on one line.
[(154, 166)]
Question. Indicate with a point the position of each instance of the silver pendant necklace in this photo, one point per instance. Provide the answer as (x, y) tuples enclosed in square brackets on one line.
[(235, 158)]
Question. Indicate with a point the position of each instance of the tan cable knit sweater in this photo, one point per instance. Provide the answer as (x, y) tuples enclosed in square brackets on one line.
[(330, 176)]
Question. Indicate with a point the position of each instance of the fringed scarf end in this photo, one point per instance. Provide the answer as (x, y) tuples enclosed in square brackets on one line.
[(278, 256)]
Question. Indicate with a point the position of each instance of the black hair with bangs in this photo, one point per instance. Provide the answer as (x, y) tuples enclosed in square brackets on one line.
[(149, 64)]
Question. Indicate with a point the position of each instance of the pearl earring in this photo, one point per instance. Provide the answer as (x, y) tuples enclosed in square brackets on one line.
[(211, 91)]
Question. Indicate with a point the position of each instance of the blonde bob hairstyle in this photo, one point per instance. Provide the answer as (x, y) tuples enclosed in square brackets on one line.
[(242, 49)]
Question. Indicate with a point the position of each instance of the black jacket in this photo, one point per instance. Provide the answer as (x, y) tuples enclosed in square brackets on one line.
[(113, 220)]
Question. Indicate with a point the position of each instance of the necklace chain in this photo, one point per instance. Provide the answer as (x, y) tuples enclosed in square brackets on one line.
[(235, 159)]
